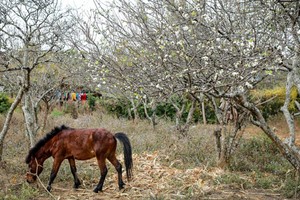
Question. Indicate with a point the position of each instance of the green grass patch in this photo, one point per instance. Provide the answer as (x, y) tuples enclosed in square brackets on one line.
[(20, 192), (233, 180), (56, 113), (259, 154)]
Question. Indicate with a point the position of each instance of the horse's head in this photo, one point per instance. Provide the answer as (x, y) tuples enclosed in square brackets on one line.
[(34, 169)]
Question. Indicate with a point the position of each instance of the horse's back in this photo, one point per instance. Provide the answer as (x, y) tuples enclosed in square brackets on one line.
[(83, 144)]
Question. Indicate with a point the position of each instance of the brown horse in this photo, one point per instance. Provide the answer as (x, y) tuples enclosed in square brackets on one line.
[(80, 144)]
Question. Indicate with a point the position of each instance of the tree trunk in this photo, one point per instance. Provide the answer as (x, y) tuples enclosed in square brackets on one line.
[(203, 113), (8, 119), (47, 109), (129, 113), (30, 121), (293, 79), (189, 117), (222, 136), (135, 110), (178, 116), (151, 118), (230, 130), (285, 108), (291, 153)]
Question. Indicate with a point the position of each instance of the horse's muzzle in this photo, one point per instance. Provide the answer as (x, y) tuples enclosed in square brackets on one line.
[(30, 178)]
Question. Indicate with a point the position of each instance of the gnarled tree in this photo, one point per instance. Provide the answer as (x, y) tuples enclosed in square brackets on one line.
[(31, 33)]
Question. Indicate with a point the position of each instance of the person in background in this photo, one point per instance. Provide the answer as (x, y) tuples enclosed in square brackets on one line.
[(78, 96), (73, 96)]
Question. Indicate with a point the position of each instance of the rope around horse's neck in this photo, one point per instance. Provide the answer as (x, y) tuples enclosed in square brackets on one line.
[(38, 178)]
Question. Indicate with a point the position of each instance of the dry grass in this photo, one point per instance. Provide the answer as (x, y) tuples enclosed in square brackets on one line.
[(165, 166)]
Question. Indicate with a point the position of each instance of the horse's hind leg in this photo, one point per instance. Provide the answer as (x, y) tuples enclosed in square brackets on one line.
[(118, 167), (103, 170), (74, 172)]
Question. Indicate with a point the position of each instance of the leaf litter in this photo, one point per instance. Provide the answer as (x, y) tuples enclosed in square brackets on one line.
[(154, 179), (151, 179)]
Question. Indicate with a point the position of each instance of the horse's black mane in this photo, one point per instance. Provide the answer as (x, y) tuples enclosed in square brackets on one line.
[(43, 141)]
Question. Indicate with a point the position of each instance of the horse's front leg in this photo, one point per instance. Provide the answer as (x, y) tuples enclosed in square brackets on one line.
[(55, 167), (103, 170), (74, 172)]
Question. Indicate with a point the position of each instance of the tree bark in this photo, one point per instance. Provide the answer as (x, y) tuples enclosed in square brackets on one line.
[(47, 109), (292, 78), (8, 119), (291, 153), (135, 110), (178, 116), (190, 116), (203, 113), (29, 116), (229, 131), (151, 118)]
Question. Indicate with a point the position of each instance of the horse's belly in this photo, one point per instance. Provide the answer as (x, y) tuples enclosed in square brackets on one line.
[(84, 155)]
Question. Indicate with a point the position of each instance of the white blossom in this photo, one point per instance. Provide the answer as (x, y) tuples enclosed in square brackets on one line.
[(241, 88), (186, 15), (158, 87), (235, 73), (221, 71), (248, 85), (185, 28), (205, 58)]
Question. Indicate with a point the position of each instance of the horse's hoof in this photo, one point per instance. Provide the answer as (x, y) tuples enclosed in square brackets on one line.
[(96, 190), (121, 187), (49, 188), (76, 185)]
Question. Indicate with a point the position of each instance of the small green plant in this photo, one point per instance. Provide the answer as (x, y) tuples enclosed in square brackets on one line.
[(291, 187), (92, 102), (259, 154), (4, 103), (56, 113), (231, 179), (23, 192), (71, 108), (266, 181)]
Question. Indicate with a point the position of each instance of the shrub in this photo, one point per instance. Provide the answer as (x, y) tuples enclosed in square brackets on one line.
[(259, 154), (4, 103), (271, 108), (91, 102), (291, 186), (120, 107)]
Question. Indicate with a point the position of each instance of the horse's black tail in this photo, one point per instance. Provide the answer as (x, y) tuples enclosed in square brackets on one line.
[(122, 137)]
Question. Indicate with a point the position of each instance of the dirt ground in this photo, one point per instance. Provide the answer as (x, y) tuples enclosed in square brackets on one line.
[(152, 180)]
